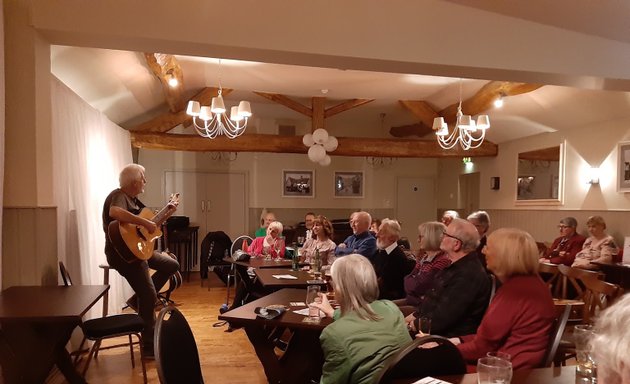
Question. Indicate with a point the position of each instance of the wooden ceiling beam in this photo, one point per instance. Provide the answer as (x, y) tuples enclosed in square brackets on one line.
[(170, 120), (422, 110), (318, 119), (346, 105), (287, 102), (418, 129), (348, 146), (165, 67)]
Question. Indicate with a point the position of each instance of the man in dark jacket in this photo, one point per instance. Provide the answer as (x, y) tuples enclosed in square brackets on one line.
[(390, 262)]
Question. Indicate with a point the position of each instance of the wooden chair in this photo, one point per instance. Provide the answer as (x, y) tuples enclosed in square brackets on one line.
[(550, 273), (563, 312), (445, 359), (574, 277), (107, 327), (598, 295)]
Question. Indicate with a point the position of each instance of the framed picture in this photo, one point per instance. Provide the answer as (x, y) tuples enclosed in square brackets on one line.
[(298, 184), (623, 167), (349, 184)]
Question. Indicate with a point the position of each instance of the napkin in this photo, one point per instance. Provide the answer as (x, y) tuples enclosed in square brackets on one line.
[(431, 380), (287, 277)]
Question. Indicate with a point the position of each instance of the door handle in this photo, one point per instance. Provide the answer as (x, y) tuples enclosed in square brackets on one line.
[(203, 205)]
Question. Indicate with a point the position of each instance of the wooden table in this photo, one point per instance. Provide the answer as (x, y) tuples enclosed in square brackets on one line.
[(303, 358), (259, 262), (266, 279), (36, 324), (616, 273), (555, 375)]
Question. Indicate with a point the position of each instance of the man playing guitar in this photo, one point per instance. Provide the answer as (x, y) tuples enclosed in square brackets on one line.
[(123, 205)]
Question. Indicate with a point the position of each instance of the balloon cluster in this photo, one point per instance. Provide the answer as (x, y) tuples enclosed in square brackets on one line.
[(319, 142)]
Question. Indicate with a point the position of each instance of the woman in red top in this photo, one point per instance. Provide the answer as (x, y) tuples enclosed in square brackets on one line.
[(268, 245), (521, 314)]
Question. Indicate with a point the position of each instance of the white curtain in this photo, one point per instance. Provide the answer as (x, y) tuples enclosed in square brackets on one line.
[(89, 152)]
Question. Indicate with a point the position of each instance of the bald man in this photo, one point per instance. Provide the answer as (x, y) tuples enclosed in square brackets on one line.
[(361, 241)]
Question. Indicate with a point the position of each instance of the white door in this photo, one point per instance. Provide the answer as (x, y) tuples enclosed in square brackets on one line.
[(469, 193), (415, 204), (226, 203), (192, 189)]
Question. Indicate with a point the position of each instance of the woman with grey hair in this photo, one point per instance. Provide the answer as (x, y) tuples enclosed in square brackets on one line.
[(612, 343), (599, 247), (269, 244), (565, 247), (365, 331)]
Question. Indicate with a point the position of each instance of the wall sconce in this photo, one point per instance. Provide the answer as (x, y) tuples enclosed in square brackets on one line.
[(593, 176)]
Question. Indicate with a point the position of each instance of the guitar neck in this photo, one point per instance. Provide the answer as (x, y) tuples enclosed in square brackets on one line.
[(163, 214)]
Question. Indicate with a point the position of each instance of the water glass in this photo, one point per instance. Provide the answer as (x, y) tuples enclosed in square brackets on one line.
[(586, 366), (312, 295), (492, 370), (424, 325), (500, 355)]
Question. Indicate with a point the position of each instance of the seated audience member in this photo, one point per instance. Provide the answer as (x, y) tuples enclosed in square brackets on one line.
[(390, 262), (265, 219), (612, 343), (521, 314), (319, 240), (481, 221), (365, 332), (307, 231), (565, 247), (266, 245), (461, 291), (448, 216), (361, 241), (429, 261), (599, 247), (376, 223)]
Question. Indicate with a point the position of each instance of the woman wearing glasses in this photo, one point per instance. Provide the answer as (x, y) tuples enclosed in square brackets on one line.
[(565, 247)]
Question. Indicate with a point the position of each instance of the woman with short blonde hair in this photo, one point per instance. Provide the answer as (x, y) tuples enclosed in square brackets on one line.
[(267, 245), (365, 331), (612, 343), (521, 314), (598, 248)]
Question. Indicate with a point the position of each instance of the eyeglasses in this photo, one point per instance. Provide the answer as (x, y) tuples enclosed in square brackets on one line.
[(451, 236), (563, 226)]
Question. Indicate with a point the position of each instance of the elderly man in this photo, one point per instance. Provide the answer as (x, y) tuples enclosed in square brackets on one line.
[(565, 247), (390, 262), (123, 205), (361, 241), (461, 293), (481, 221)]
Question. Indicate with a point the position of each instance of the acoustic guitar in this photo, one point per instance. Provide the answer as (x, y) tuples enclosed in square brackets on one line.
[(133, 242)]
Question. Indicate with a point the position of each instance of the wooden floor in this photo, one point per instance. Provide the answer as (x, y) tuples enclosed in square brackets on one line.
[(226, 357)]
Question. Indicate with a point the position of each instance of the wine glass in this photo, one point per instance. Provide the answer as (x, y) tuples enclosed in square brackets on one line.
[(277, 246)]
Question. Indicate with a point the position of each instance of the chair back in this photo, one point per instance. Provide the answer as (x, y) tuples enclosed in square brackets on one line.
[(574, 277), (559, 325), (65, 275), (550, 274), (598, 295), (238, 243), (176, 354), (408, 364)]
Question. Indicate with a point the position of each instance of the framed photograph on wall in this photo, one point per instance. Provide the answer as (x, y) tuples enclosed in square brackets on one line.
[(623, 167), (298, 183), (349, 184)]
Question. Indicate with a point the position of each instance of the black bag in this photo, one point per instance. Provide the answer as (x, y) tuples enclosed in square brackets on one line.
[(240, 255)]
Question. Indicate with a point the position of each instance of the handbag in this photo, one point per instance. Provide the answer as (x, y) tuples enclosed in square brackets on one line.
[(240, 255)]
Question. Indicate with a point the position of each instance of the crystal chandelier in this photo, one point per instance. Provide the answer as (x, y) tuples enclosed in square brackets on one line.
[(212, 121), (468, 133)]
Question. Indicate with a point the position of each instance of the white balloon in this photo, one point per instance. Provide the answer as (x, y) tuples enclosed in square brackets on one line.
[(316, 153), (331, 144), (308, 140), (320, 136), (326, 161)]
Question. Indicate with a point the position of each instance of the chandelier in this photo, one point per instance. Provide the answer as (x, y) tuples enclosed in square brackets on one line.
[(212, 121), (468, 133)]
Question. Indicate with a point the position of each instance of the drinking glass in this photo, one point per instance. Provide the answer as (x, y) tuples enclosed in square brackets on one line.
[(312, 294), (500, 355), (492, 370), (277, 246), (586, 366), (424, 325)]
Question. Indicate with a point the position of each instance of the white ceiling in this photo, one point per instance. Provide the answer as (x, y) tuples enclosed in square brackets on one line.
[(119, 83)]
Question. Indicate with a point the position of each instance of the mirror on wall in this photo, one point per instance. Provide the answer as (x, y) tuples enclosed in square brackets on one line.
[(539, 176)]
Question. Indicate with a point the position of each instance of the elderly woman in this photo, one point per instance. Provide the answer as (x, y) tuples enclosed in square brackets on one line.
[(599, 247), (365, 331), (320, 240), (612, 343), (521, 314), (269, 244), (265, 219), (429, 261), (565, 247), (481, 221)]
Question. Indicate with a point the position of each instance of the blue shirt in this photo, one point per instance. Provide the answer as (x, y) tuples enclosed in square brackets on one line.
[(362, 243)]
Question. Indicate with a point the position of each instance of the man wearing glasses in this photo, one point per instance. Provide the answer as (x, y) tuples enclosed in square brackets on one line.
[(461, 292), (565, 247)]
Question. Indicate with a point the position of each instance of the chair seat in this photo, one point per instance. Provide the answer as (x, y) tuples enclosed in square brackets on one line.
[(109, 326)]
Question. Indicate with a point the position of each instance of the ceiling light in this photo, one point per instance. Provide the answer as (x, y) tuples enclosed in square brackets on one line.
[(320, 142), (467, 132), (171, 79), (498, 103), (212, 121)]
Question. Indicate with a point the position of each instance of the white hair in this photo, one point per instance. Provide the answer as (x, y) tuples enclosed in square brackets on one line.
[(612, 343), (130, 174)]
